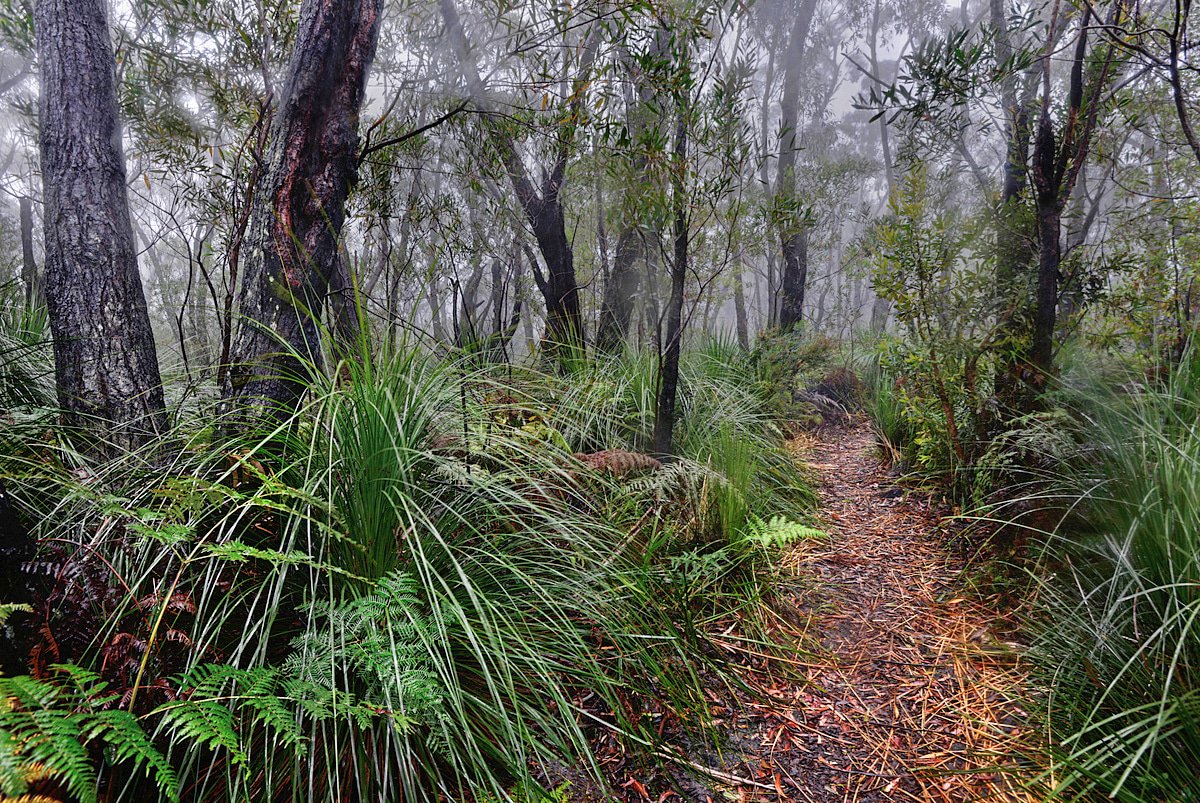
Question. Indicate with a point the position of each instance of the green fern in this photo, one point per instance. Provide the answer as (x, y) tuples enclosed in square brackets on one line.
[(379, 640), (48, 730), (780, 531), (7, 609)]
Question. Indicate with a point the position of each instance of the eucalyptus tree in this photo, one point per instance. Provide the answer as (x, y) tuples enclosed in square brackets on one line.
[(198, 82), (706, 77), (789, 211), (106, 366), (1049, 122), (640, 134), (540, 198), (1060, 153), (299, 209)]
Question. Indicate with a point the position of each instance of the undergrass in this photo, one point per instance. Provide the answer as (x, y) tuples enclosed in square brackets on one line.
[(413, 590), (1117, 621)]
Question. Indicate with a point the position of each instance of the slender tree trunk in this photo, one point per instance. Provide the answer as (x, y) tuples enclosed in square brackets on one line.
[(739, 308), (300, 207), (435, 310), (29, 273), (1014, 229), (1041, 352), (106, 368), (793, 231), (620, 291), (564, 320), (1049, 231), (881, 308), (651, 313), (344, 300), (772, 307), (1057, 163), (542, 205), (668, 388)]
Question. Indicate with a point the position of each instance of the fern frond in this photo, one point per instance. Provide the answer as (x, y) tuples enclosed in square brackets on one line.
[(7, 609), (780, 531), (204, 722)]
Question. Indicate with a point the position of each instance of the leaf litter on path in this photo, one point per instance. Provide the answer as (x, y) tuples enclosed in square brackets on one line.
[(906, 692)]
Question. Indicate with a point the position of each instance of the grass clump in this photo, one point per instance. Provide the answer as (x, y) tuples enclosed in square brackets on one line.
[(415, 589), (1118, 613)]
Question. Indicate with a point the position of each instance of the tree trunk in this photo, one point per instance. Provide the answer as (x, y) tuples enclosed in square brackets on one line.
[(564, 321), (29, 275), (1014, 243), (1049, 219), (795, 276), (106, 368), (651, 313), (881, 308), (344, 301), (616, 310), (793, 231), (739, 308), (542, 205), (668, 387), (1041, 352), (620, 291), (1057, 163), (300, 207)]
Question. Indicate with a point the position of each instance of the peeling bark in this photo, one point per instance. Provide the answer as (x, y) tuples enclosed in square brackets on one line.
[(300, 208)]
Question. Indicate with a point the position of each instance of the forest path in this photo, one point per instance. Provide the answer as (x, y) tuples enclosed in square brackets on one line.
[(909, 692)]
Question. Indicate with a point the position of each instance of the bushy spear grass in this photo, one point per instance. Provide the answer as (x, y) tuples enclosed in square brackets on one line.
[(411, 590), (1117, 613)]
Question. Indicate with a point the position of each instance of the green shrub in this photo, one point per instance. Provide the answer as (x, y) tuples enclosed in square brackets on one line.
[(787, 362)]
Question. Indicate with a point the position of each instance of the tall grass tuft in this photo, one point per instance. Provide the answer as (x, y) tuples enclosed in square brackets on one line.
[(1118, 624), (412, 590)]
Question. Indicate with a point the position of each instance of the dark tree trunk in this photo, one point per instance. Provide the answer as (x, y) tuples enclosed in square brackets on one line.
[(795, 276), (1056, 164), (793, 231), (616, 310), (564, 321), (300, 207), (1041, 351), (542, 205), (739, 308), (668, 387), (29, 274), (106, 368), (1048, 197)]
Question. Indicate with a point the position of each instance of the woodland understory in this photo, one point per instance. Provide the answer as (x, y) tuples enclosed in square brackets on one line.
[(637, 400)]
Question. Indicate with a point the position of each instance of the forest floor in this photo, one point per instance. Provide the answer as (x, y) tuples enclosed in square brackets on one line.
[(906, 688)]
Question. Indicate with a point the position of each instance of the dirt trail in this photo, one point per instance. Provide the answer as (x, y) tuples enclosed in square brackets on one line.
[(910, 693), (907, 693)]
